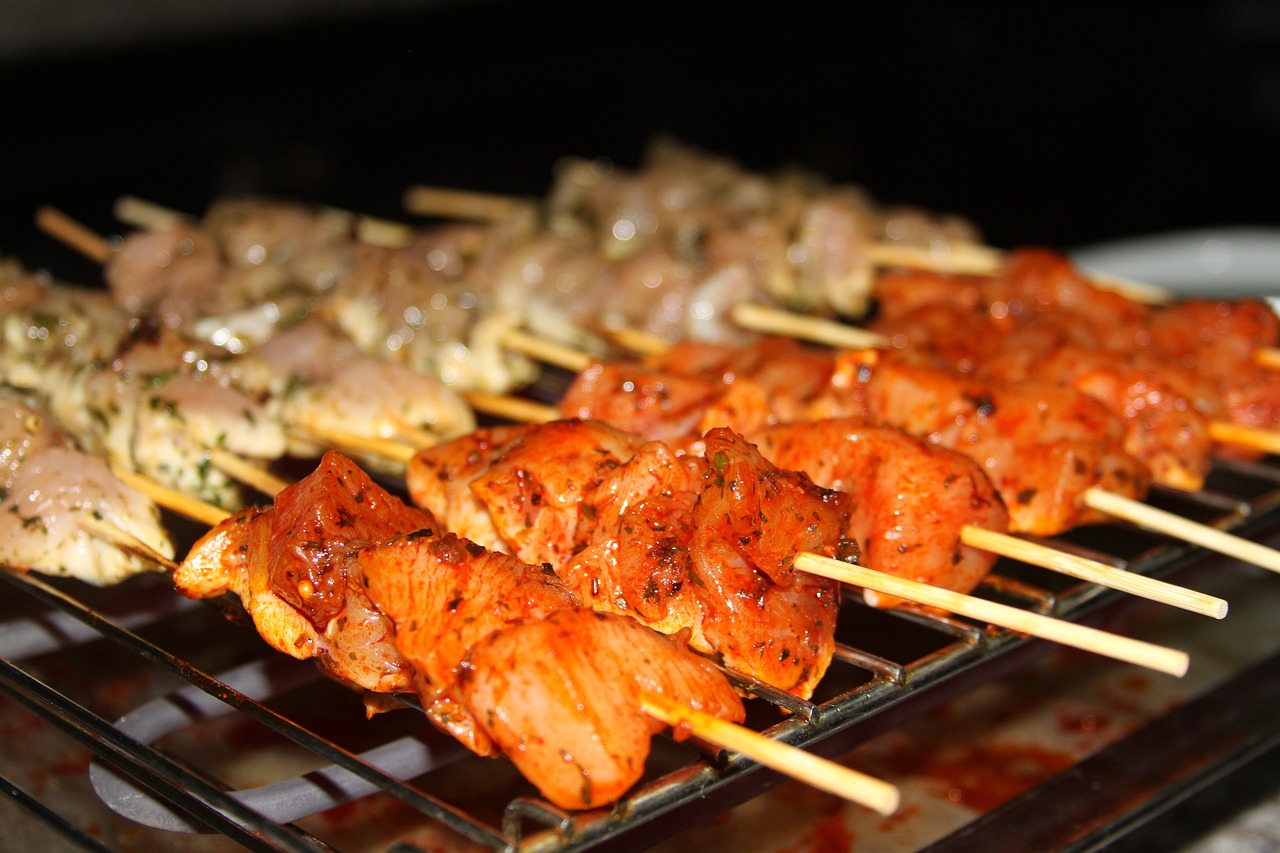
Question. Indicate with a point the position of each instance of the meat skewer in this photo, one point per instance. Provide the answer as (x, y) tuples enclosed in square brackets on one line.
[(316, 381), (971, 536), (432, 473), (1115, 505), (456, 662), (667, 405), (62, 512)]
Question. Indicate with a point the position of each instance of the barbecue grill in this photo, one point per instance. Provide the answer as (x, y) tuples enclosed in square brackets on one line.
[(187, 673), (219, 736)]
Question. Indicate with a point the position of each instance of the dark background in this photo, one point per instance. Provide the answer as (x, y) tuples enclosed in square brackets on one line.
[(1060, 125)]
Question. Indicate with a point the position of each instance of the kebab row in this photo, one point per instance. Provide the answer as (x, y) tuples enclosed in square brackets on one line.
[(151, 400), (589, 514), (668, 248), (304, 599)]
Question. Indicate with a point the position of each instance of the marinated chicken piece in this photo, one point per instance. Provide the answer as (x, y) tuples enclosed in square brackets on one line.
[(570, 494), (293, 566), (910, 500), (439, 480), (1163, 427), (1042, 445), (180, 275), (321, 523), (1215, 343), (395, 304), (834, 270), (637, 561), (158, 409), (696, 387), (310, 247), (45, 323), (229, 558), (165, 271), (561, 699), (789, 372), (317, 377), (658, 405), (538, 488), (445, 594), (1039, 281), (47, 487), (751, 520)]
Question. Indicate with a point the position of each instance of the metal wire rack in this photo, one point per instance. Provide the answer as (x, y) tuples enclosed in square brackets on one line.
[(889, 667)]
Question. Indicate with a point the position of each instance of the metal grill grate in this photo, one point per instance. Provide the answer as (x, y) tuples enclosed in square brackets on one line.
[(889, 666)]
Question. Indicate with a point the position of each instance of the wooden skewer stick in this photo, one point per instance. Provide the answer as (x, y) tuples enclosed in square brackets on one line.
[(1092, 571), (125, 541), (1135, 291), (396, 451), (1256, 438), (1159, 658), (141, 213), (84, 240), (511, 408), (549, 352), (462, 204), (1184, 529), (959, 258), (786, 759), (814, 770), (637, 340), (1268, 357), (246, 472), (172, 499), (411, 432), (776, 321)]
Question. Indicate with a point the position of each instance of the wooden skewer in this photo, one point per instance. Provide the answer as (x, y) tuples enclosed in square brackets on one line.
[(637, 341), (1135, 291), (1268, 357), (411, 432), (1159, 658), (462, 204), (959, 258), (141, 213), (549, 352), (125, 541), (1183, 529), (84, 240), (244, 471), (1255, 438), (512, 408), (776, 321), (825, 775), (172, 499), (396, 451), (1092, 571)]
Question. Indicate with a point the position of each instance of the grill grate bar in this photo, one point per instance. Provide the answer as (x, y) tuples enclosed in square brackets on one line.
[(529, 824), (205, 803), (50, 818), (305, 738)]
